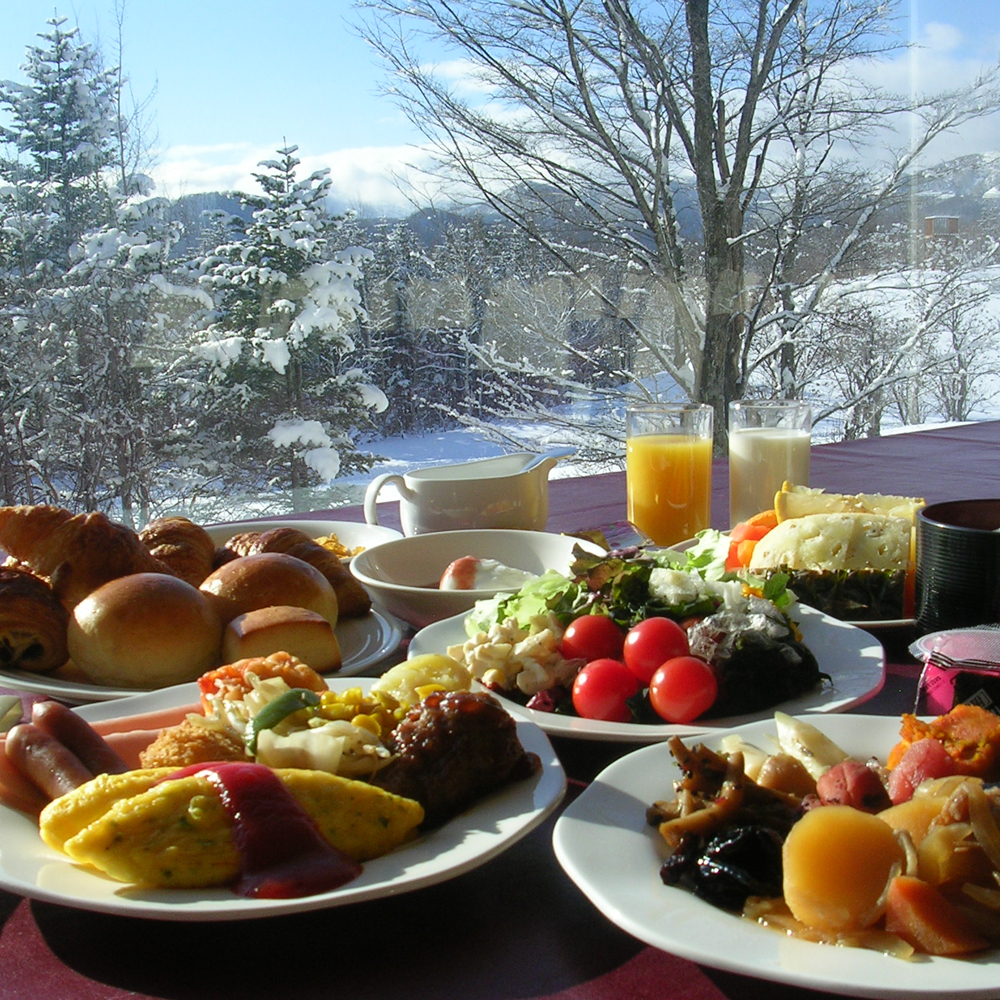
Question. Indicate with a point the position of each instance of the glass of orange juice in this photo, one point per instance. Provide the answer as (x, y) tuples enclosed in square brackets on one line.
[(668, 469)]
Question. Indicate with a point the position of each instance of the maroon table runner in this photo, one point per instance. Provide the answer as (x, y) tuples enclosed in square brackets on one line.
[(515, 927)]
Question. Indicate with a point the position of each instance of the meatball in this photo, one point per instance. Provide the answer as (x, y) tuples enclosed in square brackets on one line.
[(452, 749)]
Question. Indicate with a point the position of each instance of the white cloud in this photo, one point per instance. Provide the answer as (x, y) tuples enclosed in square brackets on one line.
[(375, 177)]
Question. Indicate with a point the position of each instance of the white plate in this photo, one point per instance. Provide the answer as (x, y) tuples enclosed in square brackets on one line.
[(350, 533), (363, 642), (853, 658), (608, 821), (30, 868)]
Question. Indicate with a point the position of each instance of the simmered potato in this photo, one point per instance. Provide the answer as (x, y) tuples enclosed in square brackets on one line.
[(837, 863)]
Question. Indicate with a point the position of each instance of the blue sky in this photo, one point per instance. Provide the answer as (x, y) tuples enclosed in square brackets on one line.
[(234, 79)]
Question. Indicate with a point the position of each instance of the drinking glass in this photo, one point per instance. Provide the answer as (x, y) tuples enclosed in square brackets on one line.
[(668, 463), (769, 442)]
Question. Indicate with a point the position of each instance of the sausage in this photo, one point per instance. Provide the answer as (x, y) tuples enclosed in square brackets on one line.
[(44, 760), (78, 736)]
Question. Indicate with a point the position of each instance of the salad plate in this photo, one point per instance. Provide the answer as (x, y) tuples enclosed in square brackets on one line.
[(29, 867), (363, 643), (608, 821), (854, 660)]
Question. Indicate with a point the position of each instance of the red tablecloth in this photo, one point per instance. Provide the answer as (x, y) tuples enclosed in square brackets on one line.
[(514, 928)]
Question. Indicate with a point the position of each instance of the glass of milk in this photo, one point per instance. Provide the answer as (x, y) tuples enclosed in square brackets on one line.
[(769, 441)]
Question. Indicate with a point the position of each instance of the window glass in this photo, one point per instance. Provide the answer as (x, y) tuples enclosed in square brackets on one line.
[(248, 261)]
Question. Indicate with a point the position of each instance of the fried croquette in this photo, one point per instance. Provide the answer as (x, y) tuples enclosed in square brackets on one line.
[(191, 743)]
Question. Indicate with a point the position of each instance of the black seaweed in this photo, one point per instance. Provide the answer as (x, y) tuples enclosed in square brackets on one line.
[(728, 868), (761, 671), (852, 595)]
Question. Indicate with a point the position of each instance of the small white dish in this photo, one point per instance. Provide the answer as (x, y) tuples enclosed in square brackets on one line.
[(853, 658), (29, 867), (402, 575), (608, 821)]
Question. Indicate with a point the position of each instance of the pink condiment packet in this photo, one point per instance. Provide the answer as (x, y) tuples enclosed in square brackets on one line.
[(960, 666)]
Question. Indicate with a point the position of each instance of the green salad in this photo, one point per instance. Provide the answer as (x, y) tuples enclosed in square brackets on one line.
[(629, 585)]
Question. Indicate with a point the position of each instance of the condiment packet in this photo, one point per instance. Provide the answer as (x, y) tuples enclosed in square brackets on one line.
[(961, 666)]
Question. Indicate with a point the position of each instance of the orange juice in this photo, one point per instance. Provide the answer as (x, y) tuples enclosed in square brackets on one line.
[(669, 479)]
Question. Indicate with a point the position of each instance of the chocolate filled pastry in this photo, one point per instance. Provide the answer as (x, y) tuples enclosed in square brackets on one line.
[(185, 547), (32, 623), (352, 599), (76, 553)]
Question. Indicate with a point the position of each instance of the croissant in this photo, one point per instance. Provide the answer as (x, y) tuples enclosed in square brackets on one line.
[(352, 599), (76, 553), (185, 547), (32, 623)]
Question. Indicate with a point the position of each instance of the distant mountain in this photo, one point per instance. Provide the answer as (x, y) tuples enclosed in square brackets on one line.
[(195, 212), (967, 187)]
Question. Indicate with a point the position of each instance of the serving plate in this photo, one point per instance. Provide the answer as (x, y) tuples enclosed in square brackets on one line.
[(608, 821), (363, 643), (31, 868), (350, 533), (854, 660)]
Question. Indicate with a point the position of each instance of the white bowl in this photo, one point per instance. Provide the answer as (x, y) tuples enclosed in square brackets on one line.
[(351, 534), (402, 575)]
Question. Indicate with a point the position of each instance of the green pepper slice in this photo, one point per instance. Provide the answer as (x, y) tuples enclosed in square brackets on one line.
[(275, 711)]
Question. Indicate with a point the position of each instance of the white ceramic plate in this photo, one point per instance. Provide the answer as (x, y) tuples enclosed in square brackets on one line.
[(853, 658), (30, 868), (363, 642), (608, 821), (350, 533)]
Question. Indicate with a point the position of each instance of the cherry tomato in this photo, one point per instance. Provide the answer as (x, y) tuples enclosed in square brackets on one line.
[(601, 690), (682, 689), (592, 637), (652, 642)]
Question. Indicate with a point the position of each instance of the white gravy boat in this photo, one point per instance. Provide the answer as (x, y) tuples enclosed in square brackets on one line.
[(511, 491)]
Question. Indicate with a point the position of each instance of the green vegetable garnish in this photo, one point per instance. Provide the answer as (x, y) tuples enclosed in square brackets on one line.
[(277, 711), (616, 584)]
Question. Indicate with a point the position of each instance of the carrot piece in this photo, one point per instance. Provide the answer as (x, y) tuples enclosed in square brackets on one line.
[(921, 916), (744, 550), (732, 558), (765, 519)]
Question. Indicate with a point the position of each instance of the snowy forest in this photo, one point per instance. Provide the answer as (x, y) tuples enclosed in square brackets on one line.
[(736, 220)]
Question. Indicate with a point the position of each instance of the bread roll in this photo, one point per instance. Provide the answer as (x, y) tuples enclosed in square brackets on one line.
[(266, 579), (147, 630), (305, 634), (184, 547)]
